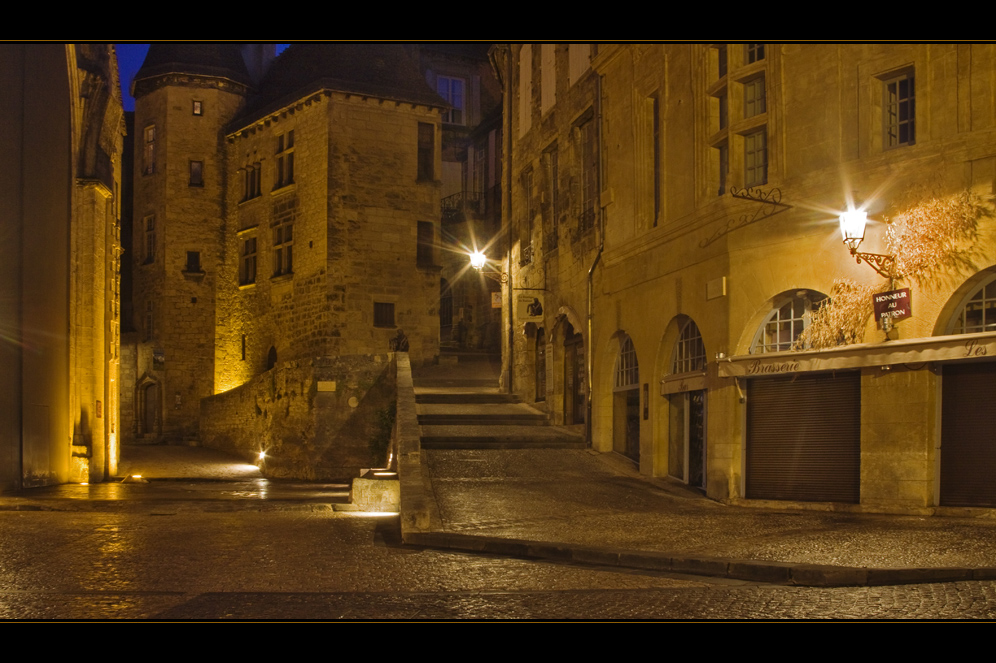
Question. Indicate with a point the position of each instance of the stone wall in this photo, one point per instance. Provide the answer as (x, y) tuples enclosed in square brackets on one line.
[(317, 419)]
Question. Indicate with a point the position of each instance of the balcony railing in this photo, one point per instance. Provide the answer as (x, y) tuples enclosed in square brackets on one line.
[(466, 201)]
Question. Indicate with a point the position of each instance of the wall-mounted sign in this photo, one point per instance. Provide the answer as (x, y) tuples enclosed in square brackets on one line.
[(496, 299), (895, 304), (529, 308)]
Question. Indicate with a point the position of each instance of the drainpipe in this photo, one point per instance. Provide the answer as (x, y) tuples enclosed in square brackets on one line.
[(497, 52), (589, 355)]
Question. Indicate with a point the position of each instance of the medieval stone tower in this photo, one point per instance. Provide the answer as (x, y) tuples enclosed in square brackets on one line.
[(184, 96)]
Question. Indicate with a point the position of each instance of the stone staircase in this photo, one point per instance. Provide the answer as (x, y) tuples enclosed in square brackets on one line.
[(459, 407)]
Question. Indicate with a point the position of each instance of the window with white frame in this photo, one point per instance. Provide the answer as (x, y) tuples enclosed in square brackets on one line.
[(899, 110), (452, 90), (754, 102), (978, 313), (786, 322), (689, 350), (627, 368), (756, 158)]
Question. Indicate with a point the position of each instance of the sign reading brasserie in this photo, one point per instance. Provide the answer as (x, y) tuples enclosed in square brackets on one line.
[(895, 304)]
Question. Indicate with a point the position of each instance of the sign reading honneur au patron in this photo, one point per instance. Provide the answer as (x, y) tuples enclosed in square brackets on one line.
[(895, 304)]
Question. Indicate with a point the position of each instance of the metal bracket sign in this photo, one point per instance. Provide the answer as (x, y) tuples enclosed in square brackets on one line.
[(894, 304)]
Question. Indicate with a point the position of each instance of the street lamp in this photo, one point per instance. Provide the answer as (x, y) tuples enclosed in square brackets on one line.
[(852, 227), (479, 261)]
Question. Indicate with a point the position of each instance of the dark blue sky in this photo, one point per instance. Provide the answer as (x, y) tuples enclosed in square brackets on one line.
[(130, 58)]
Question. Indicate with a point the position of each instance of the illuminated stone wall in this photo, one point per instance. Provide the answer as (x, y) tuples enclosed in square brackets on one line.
[(61, 174), (354, 205), (188, 218), (317, 419)]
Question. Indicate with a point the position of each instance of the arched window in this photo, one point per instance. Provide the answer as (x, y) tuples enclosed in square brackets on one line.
[(786, 321), (978, 313), (689, 351), (627, 370)]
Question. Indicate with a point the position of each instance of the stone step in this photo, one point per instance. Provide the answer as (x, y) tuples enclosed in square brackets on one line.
[(505, 437), (469, 419), (485, 383), (468, 398)]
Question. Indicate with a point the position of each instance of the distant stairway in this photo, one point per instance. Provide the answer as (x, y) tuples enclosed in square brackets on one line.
[(460, 410)]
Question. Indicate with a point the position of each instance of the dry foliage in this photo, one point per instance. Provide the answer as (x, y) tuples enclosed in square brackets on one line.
[(928, 234), (841, 319)]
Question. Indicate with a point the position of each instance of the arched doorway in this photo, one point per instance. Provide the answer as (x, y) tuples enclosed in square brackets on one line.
[(149, 402), (687, 408), (626, 403)]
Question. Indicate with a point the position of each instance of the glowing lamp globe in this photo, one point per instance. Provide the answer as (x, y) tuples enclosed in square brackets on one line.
[(477, 260), (852, 227)]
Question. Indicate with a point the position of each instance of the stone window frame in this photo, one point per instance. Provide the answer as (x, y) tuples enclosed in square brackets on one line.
[(248, 260), (755, 101), (753, 53), (383, 315), (426, 143), (756, 157), (149, 150), (252, 180), (149, 223), (196, 171), (283, 249), (284, 157)]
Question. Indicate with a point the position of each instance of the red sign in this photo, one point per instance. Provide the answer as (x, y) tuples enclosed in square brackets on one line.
[(895, 304)]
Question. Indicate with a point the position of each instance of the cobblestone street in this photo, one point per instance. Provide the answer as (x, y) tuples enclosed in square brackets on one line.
[(178, 561)]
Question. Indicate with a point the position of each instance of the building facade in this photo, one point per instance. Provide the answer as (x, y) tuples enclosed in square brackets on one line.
[(59, 363), (674, 208), (287, 215)]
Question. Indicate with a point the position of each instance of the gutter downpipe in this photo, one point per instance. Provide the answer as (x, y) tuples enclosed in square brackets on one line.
[(601, 245), (497, 53), (507, 213)]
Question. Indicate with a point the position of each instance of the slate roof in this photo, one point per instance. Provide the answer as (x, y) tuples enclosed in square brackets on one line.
[(378, 70), (221, 60)]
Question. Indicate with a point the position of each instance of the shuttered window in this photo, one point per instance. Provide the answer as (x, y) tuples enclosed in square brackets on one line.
[(804, 437)]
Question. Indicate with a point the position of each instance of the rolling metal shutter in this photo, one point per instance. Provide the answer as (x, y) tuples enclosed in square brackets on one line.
[(968, 436), (804, 437)]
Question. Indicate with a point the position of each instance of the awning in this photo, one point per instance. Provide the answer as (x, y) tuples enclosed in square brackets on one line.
[(910, 351)]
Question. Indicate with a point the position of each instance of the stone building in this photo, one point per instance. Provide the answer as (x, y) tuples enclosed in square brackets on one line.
[(61, 142), (287, 218), (675, 207)]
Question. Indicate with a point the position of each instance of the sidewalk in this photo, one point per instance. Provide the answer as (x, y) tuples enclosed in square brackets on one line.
[(583, 506)]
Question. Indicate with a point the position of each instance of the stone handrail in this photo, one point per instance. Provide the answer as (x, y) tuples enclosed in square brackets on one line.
[(419, 512)]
